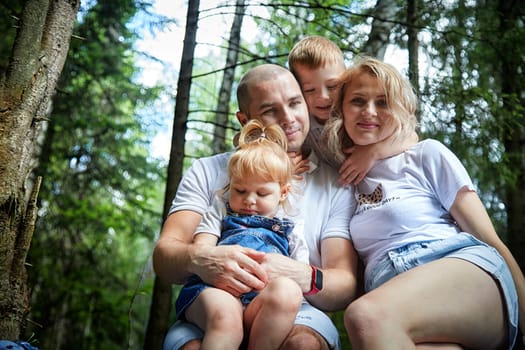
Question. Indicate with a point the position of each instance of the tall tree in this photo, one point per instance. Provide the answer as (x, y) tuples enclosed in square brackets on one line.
[(223, 103), (384, 14), (27, 86), (162, 291), (99, 200)]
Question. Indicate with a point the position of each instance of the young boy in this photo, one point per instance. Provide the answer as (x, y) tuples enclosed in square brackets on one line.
[(316, 62)]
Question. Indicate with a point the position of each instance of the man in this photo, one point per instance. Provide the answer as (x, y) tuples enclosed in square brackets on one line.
[(270, 94)]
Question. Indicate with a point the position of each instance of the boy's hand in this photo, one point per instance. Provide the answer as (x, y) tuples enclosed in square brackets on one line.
[(358, 162), (300, 165)]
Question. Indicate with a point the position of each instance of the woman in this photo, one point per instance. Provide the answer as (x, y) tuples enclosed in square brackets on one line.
[(429, 283)]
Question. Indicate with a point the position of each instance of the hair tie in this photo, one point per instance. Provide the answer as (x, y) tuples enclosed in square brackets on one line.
[(262, 136)]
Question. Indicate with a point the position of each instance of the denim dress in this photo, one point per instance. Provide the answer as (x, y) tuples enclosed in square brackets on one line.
[(269, 235)]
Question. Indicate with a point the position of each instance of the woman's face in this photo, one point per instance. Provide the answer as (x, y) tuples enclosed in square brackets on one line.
[(367, 118)]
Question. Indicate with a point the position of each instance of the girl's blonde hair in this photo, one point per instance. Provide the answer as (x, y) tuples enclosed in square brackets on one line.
[(400, 98), (261, 154)]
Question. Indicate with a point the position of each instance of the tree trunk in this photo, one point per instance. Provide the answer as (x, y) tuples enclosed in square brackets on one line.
[(162, 292), (413, 44), (382, 25), (223, 105), (38, 56)]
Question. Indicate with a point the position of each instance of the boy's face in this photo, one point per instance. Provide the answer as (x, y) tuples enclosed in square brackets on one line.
[(319, 86)]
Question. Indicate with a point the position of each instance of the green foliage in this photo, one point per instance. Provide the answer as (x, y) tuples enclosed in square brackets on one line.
[(101, 197), (464, 98)]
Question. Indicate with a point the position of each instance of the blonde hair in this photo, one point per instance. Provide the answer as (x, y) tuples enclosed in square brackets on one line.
[(314, 52), (261, 154), (400, 98)]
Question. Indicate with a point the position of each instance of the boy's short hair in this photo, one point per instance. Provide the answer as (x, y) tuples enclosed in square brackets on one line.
[(314, 51)]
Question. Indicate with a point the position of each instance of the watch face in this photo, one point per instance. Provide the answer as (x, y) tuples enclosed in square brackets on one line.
[(319, 280)]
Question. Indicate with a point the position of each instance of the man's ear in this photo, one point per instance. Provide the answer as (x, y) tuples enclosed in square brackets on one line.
[(242, 118)]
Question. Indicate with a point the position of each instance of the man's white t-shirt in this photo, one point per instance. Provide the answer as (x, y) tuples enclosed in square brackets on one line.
[(325, 205)]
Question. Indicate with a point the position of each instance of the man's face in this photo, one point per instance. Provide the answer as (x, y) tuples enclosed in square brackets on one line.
[(280, 101)]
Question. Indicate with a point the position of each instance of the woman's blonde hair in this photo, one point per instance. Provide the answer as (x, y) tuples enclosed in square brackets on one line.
[(400, 98), (261, 153)]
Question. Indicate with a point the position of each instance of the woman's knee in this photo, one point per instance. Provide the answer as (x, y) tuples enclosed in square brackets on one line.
[(363, 318)]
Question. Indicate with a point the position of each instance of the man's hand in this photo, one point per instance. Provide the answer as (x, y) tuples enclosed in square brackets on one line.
[(234, 269), (278, 265)]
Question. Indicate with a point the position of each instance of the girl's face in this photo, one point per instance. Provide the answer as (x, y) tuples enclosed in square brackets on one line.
[(367, 118), (256, 197)]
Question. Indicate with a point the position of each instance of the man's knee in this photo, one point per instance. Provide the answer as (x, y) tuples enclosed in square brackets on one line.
[(194, 344), (304, 338)]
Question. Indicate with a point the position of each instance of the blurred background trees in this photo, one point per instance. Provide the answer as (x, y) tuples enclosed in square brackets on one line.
[(104, 193)]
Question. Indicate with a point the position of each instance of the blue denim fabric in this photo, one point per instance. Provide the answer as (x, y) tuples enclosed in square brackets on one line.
[(252, 231), (462, 246)]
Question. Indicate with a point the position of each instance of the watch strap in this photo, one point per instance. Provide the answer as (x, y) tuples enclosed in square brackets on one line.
[(316, 283)]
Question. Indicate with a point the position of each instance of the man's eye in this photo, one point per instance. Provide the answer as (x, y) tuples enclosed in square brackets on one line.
[(308, 91), (268, 112), (332, 87)]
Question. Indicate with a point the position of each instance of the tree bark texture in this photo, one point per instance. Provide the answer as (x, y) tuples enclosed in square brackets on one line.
[(223, 105), (382, 25), (27, 86), (162, 292)]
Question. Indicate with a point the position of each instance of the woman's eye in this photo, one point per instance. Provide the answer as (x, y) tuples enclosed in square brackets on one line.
[(382, 103)]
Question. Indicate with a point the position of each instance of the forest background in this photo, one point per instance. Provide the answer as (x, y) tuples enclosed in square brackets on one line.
[(83, 194)]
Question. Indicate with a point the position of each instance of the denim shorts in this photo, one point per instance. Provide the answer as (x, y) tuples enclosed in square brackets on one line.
[(182, 332), (462, 246)]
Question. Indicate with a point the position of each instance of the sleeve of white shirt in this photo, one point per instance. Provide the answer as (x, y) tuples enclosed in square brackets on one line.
[(445, 172), (212, 219), (200, 183)]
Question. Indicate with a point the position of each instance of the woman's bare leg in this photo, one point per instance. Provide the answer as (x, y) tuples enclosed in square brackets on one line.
[(449, 301)]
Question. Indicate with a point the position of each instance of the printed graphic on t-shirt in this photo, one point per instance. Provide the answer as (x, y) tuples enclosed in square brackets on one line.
[(372, 198), (375, 199)]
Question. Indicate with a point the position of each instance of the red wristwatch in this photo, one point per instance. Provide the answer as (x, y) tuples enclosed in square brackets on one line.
[(317, 281)]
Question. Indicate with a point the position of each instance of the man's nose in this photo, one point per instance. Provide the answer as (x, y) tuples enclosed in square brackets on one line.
[(287, 117)]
